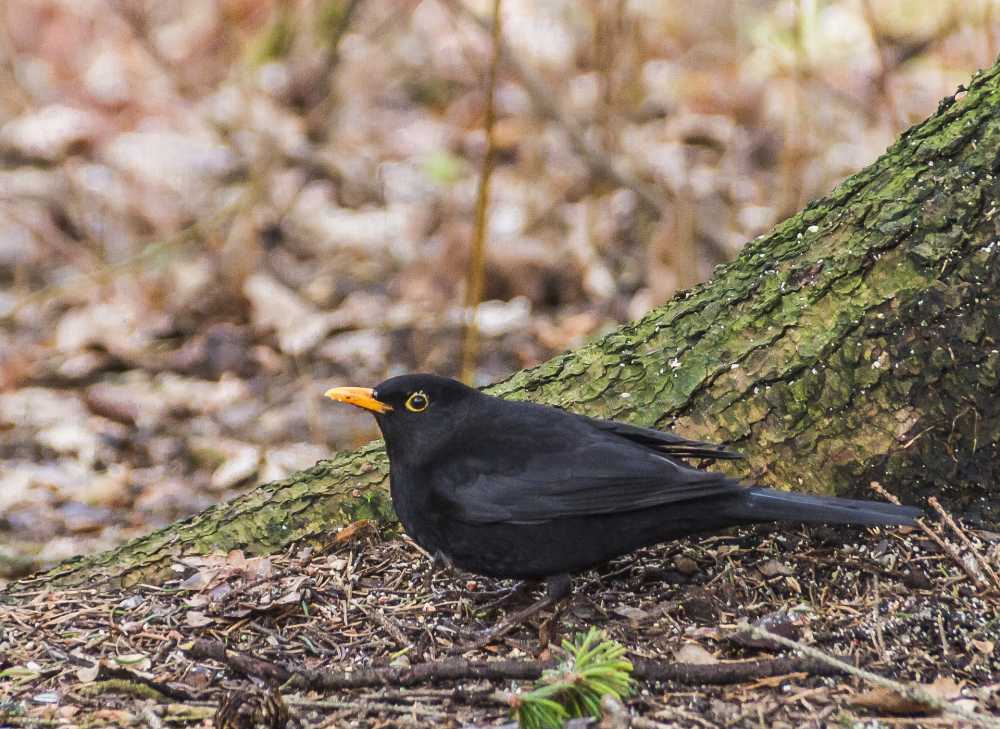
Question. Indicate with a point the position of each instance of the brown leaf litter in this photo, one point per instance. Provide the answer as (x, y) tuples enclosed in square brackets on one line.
[(360, 635)]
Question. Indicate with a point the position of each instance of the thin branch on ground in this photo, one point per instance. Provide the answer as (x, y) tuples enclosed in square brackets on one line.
[(457, 669), (910, 691), (934, 537), (964, 539), (368, 706), (150, 717)]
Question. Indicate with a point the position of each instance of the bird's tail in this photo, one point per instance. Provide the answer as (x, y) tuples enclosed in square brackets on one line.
[(758, 504)]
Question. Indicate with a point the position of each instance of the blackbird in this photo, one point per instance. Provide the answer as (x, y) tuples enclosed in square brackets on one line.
[(515, 489)]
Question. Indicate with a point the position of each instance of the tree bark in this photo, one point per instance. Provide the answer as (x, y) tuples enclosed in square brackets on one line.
[(857, 341)]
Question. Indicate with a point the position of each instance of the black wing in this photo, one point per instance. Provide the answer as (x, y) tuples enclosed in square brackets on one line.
[(561, 466), (666, 442)]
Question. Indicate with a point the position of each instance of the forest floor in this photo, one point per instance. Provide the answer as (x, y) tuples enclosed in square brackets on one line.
[(212, 212), (889, 601)]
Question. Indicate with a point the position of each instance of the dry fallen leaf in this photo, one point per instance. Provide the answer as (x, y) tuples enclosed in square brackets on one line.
[(198, 581), (88, 674), (113, 717), (197, 619), (633, 614), (887, 700), (776, 681), (785, 623), (685, 565), (983, 646), (298, 325), (695, 654), (773, 567), (237, 468), (293, 592), (352, 530)]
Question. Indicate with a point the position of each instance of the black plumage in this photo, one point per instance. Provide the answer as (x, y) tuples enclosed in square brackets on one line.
[(515, 489)]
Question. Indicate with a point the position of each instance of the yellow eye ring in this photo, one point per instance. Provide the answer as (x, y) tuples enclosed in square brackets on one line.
[(417, 402)]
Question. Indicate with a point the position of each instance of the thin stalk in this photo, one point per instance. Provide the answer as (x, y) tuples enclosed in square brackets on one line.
[(477, 261)]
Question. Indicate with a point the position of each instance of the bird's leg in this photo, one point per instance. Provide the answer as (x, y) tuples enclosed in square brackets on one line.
[(504, 595), (439, 563), (556, 588)]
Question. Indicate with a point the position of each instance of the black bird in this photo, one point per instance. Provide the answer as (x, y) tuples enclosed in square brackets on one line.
[(515, 489)]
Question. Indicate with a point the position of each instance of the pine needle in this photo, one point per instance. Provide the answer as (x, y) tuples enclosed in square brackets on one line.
[(594, 667)]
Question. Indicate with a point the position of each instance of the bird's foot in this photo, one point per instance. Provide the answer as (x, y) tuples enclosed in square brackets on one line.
[(549, 629), (440, 564), (502, 596), (557, 588), (509, 623)]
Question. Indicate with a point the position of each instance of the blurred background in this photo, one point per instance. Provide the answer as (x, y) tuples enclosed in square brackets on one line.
[(212, 210)]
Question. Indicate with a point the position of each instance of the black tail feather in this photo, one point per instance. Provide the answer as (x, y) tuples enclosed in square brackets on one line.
[(760, 504)]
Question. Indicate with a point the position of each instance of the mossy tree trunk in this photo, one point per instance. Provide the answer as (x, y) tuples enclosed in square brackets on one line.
[(857, 341)]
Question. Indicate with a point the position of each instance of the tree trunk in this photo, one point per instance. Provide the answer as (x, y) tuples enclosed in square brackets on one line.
[(858, 341)]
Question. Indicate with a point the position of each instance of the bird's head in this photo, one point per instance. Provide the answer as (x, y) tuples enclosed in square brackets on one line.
[(418, 414)]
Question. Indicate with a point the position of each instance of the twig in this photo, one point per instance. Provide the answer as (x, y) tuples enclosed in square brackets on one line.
[(239, 661), (951, 552), (945, 547), (143, 684), (991, 45), (477, 261), (726, 672), (964, 539), (150, 717), (325, 99), (174, 244), (673, 714), (388, 624), (545, 101), (32, 721), (16, 98), (909, 691), (365, 706), (457, 669), (343, 24), (640, 722), (121, 686), (883, 70)]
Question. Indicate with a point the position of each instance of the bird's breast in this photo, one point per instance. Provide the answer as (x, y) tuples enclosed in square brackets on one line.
[(411, 499)]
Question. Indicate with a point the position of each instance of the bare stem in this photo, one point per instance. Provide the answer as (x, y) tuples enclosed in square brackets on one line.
[(909, 691), (477, 261)]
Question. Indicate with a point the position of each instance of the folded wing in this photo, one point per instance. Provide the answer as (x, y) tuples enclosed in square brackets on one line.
[(666, 442), (590, 473)]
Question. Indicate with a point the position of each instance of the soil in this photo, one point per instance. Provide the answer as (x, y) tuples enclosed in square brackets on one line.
[(889, 601)]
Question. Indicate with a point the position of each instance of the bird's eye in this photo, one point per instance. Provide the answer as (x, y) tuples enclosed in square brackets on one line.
[(417, 402)]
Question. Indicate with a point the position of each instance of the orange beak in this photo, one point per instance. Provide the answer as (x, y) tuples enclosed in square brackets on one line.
[(359, 397)]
